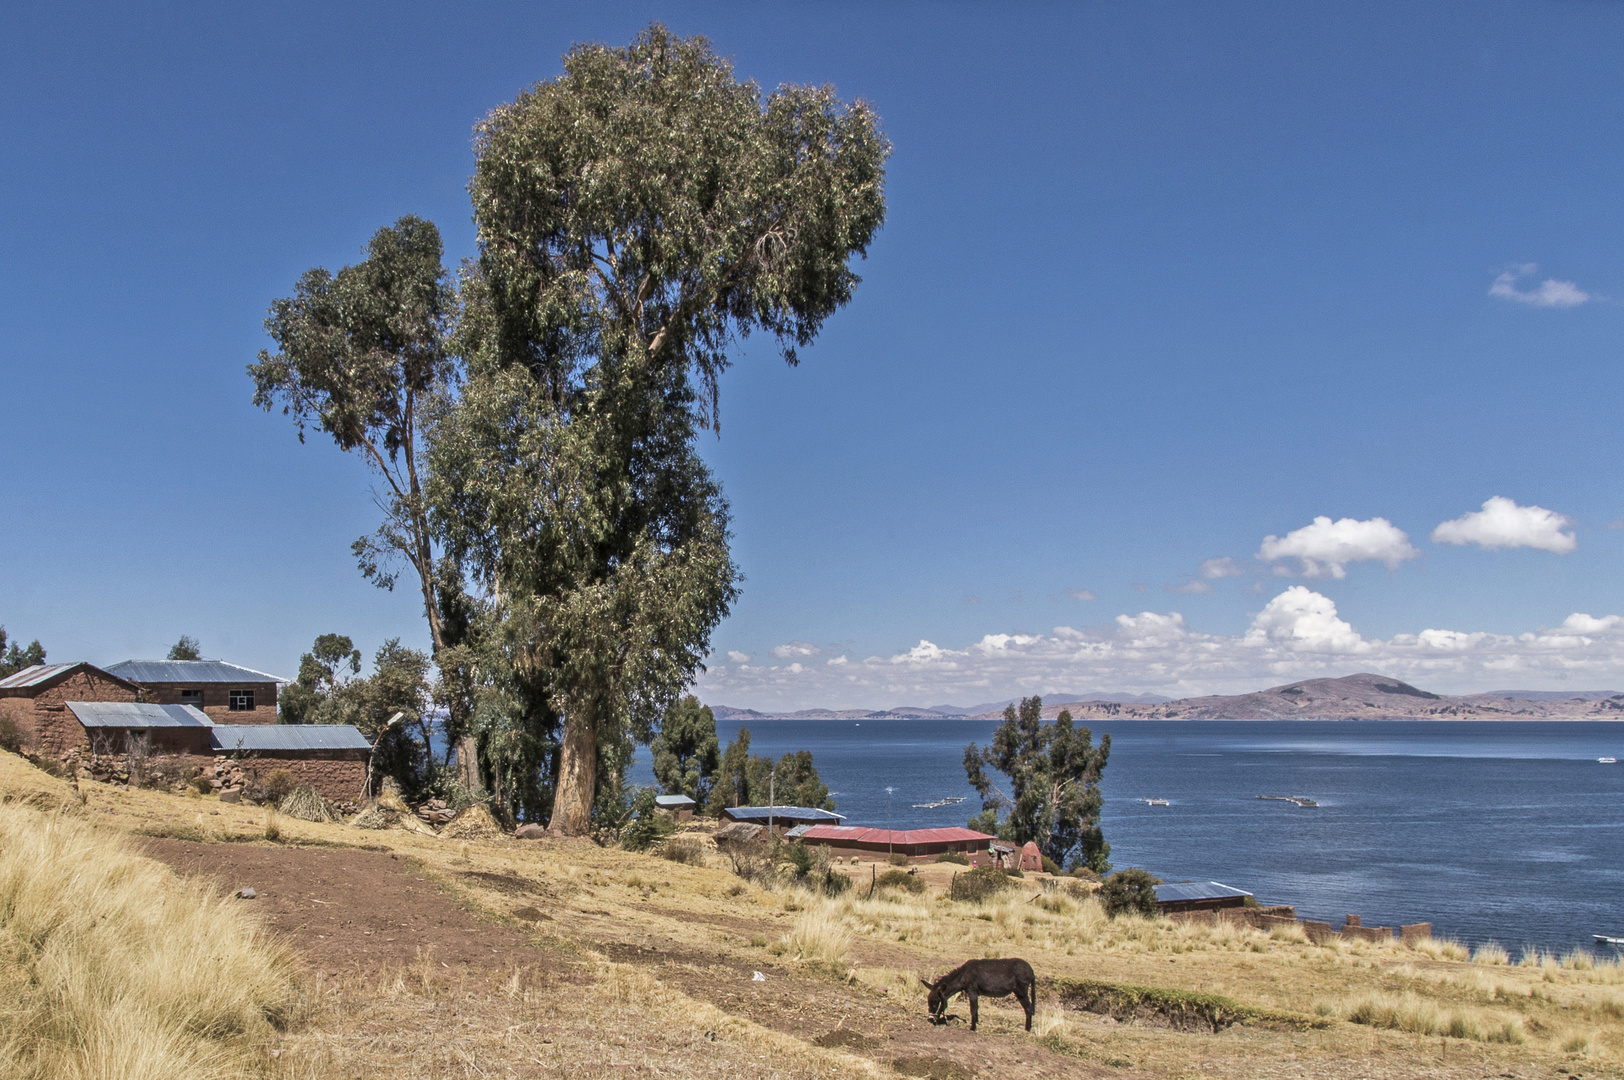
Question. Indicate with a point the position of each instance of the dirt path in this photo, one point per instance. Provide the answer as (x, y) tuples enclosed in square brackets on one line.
[(347, 909)]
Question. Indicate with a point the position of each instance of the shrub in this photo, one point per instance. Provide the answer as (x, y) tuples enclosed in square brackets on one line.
[(1130, 891), (835, 883), (978, 885), (897, 860), (201, 783), (953, 857), (799, 857), (900, 879), (11, 736), (648, 824), (1013, 871), (1051, 867), (684, 849), (277, 785)]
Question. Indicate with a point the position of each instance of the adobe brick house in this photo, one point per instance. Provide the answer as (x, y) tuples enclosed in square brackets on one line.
[(332, 758), (168, 729), (37, 699), (227, 693)]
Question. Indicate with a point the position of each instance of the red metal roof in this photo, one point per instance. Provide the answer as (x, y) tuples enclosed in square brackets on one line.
[(859, 835)]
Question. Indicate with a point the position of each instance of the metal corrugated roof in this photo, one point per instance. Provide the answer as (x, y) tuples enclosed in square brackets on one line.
[(858, 834), (274, 737), (204, 671), (1196, 890), (788, 813), (672, 800), (127, 714), (33, 676)]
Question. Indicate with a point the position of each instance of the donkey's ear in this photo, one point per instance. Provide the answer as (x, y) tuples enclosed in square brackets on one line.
[(927, 985)]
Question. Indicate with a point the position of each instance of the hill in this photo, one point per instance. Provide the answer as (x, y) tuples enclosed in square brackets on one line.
[(1364, 696)]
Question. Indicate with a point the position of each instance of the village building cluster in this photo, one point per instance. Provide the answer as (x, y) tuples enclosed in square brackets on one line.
[(219, 716)]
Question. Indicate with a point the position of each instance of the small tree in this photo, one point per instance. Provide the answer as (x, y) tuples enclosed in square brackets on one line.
[(1054, 773), (732, 787), (648, 825), (187, 648), (319, 694), (686, 755), (15, 659), (1131, 891)]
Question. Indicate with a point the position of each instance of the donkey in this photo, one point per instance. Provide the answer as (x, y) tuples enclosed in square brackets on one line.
[(995, 978)]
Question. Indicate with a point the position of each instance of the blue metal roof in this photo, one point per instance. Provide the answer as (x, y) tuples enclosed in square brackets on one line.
[(127, 714), (788, 813), (1196, 890), (285, 737), (193, 671), (669, 801)]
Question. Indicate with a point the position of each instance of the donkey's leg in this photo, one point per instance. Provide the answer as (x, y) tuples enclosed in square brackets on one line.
[(975, 1011), (1027, 996)]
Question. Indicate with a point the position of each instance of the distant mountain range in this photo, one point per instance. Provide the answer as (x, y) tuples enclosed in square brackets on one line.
[(1364, 696)]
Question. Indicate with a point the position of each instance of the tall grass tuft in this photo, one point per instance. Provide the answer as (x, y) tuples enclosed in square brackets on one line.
[(1491, 953), (111, 966), (820, 934)]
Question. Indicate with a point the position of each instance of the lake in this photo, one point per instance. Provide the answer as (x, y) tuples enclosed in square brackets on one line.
[(1504, 831)]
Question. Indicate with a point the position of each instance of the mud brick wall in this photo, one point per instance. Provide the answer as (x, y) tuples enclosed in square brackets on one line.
[(1320, 932), (1414, 933), (340, 777), (217, 700), (44, 720), (1378, 934)]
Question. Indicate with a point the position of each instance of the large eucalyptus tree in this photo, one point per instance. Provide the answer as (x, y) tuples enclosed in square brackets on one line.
[(637, 216)]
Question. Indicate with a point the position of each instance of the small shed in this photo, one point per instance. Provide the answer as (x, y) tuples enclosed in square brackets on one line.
[(110, 727), (782, 816), (1031, 857), (331, 758), (1199, 896), (740, 832), (35, 699), (680, 807)]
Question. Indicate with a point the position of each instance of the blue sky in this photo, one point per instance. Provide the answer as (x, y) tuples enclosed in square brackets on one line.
[(1157, 282)]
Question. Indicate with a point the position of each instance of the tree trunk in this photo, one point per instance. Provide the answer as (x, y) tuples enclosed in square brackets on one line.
[(577, 775), (468, 762)]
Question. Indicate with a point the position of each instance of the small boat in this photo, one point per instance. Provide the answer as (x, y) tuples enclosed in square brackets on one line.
[(1300, 800), (1155, 802), (1615, 942), (949, 801), (1608, 760)]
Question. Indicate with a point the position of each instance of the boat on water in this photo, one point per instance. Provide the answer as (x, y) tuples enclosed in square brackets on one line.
[(1300, 800), (1608, 760), (1155, 802), (1615, 942)]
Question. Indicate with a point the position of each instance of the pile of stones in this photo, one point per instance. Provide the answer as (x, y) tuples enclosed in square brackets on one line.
[(436, 812)]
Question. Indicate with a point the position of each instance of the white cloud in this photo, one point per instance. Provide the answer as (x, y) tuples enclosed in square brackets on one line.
[(796, 650), (1298, 634), (1325, 547), (1189, 588), (1550, 293), (1081, 594), (1222, 567), (734, 656), (1300, 618), (1503, 524)]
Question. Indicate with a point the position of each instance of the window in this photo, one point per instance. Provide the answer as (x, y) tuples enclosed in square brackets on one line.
[(242, 700), (192, 697)]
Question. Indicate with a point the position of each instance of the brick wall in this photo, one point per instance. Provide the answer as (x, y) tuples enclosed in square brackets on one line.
[(338, 778), (217, 700)]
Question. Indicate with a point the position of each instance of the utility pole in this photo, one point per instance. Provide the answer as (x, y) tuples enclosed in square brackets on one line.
[(772, 799), (890, 845)]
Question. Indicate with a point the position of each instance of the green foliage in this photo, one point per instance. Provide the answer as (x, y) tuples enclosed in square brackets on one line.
[(953, 857), (1051, 867), (686, 755), (1130, 891), (897, 860), (276, 785), (1181, 1009), (648, 825), (1054, 774), (900, 879), (987, 822), (187, 648), (979, 884), (11, 736), (799, 856), (745, 779), (636, 216), (14, 658)]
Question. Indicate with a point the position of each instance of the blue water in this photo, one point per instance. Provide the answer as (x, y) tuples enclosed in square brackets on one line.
[(1509, 831)]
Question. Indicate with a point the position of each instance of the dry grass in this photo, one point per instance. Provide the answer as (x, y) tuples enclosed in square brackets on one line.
[(112, 967), (1424, 1016)]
